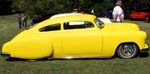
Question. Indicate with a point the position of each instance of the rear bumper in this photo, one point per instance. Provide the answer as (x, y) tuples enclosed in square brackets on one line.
[(5, 54)]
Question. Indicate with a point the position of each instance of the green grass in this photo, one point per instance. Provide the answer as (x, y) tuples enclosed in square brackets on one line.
[(9, 28)]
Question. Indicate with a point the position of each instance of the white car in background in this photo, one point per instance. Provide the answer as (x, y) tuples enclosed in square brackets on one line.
[(105, 20)]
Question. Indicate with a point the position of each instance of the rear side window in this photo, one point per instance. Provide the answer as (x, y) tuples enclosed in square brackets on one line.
[(78, 25), (53, 27)]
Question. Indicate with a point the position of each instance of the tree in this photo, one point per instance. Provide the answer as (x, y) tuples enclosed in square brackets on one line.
[(5, 7), (41, 7), (101, 7), (48, 7)]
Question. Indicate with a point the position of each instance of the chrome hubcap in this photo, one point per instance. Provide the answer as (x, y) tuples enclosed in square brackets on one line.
[(128, 50)]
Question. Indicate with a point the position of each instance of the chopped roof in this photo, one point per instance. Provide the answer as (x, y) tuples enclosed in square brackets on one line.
[(68, 17), (71, 17)]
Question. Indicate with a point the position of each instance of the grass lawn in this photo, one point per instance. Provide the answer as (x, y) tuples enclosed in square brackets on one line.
[(9, 28)]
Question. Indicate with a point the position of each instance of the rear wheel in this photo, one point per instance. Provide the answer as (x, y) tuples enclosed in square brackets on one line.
[(127, 51)]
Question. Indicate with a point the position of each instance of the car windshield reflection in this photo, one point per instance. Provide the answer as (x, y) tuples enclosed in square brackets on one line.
[(98, 22)]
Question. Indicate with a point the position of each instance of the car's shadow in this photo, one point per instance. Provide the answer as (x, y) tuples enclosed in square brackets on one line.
[(53, 59), (144, 55)]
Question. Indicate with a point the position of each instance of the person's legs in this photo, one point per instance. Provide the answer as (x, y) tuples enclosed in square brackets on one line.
[(20, 25), (25, 24)]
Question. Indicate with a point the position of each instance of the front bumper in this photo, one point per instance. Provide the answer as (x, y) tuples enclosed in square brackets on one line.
[(145, 50)]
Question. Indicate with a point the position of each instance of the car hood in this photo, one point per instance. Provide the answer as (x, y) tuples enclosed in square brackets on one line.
[(121, 27)]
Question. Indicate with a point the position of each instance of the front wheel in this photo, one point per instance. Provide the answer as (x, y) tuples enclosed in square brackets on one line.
[(127, 51)]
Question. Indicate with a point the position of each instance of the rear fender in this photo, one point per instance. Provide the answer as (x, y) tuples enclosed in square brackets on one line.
[(33, 48)]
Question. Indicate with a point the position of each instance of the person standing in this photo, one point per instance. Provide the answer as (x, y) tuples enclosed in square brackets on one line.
[(25, 21), (118, 14), (92, 11), (20, 21), (34, 20)]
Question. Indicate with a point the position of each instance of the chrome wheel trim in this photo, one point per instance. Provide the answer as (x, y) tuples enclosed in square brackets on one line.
[(127, 51)]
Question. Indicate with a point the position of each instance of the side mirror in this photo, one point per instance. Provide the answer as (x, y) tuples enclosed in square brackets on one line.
[(101, 24)]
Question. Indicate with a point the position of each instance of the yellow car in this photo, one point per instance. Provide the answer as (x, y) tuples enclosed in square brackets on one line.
[(77, 35)]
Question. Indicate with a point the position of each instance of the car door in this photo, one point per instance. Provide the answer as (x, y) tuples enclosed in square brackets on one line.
[(81, 39), (52, 33)]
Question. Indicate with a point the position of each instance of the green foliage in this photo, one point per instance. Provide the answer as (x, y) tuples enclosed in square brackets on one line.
[(44, 7), (41, 7), (136, 4), (5, 7), (47, 7)]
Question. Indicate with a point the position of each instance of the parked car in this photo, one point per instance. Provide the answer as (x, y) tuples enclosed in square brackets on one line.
[(77, 36), (140, 14)]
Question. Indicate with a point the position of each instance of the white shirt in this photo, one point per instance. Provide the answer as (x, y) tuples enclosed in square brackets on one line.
[(118, 11)]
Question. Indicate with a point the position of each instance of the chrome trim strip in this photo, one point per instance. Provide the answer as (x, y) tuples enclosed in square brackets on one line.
[(85, 57)]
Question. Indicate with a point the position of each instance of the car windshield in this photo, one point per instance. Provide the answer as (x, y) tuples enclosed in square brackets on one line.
[(98, 22)]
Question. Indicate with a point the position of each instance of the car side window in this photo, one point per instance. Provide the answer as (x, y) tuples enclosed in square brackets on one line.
[(53, 27), (78, 25)]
